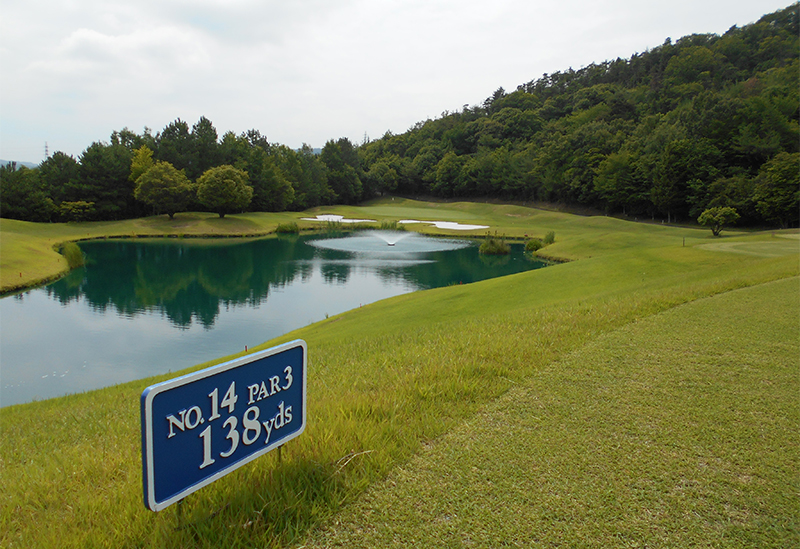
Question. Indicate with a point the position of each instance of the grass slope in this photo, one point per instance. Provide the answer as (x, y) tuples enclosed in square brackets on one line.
[(28, 251), (385, 381), (677, 430)]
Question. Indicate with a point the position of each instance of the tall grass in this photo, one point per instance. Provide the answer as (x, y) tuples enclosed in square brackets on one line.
[(333, 228), (287, 228), (73, 255), (534, 245), (391, 226), (494, 245)]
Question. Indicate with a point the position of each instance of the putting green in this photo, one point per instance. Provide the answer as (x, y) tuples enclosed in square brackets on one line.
[(775, 248)]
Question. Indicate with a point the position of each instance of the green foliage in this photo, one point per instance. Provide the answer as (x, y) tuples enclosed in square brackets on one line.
[(391, 226), (344, 170), (175, 145), (533, 245), (205, 152), (354, 227), (536, 244), (59, 174), (670, 132), (23, 195), (287, 228), (164, 188), (717, 218), (73, 255), (103, 179), (106, 172), (308, 176), (76, 211), (333, 228), (141, 162), (777, 193), (224, 189), (494, 245), (272, 190), (383, 177)]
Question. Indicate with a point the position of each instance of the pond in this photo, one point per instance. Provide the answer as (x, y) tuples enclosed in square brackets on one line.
[(145, 307)]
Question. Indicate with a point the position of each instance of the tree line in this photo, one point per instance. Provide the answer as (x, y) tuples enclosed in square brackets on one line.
[(134, 175), (706, 122)]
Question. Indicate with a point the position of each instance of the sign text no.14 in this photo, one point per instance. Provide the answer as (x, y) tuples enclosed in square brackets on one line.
[(199, 427)]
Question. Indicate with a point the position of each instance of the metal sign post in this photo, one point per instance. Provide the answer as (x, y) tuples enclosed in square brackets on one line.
[(199, 427)]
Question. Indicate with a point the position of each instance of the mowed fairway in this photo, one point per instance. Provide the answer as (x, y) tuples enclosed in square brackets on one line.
[(678, 430), (643, 394)]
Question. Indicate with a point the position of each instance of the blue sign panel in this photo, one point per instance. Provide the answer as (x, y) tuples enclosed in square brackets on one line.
[(201, 426)]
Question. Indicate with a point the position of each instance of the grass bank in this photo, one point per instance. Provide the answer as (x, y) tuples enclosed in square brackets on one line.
[(678, 430), (29, 251), (399, 380)]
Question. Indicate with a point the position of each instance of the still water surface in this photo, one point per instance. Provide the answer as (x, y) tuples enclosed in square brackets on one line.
[(142, 308)]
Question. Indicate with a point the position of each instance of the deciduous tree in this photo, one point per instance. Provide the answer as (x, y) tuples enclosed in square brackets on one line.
[(224, 190), (164, 188), (717, 218)]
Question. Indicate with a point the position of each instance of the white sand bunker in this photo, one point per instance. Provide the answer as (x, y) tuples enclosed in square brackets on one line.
[(447, 225), (337, 219), (452, 225)]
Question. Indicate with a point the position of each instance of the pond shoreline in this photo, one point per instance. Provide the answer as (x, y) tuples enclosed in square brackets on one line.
[(30, 285), (219, 294), (13, 289)]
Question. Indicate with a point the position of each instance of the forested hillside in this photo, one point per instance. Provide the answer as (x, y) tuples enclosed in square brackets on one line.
[(702, 122), (706, 121)]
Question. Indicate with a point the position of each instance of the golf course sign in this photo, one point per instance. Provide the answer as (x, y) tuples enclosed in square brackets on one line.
[(199, 427)]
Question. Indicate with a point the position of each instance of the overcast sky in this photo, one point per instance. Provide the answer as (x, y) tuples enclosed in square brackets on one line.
[(302, 71)]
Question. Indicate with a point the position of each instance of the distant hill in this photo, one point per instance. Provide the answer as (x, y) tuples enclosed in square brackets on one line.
[(707, 121), (19, 164)]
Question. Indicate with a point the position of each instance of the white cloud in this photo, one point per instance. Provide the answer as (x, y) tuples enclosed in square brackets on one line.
[(87, 53), (305, 70)]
